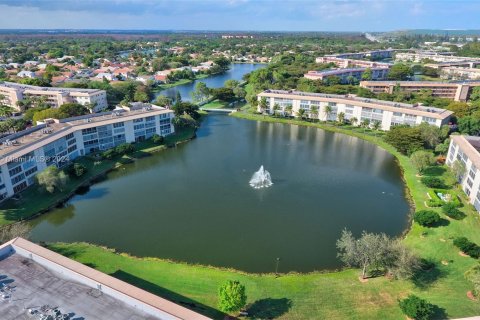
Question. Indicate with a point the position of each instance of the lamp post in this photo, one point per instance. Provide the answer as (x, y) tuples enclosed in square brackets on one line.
[(276, 267)]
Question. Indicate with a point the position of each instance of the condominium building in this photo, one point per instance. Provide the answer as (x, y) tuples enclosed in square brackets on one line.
[(465, 150), (348, 63), (458, 91), (378, 73), (12, 93), (387, 113), (38, 283), (456, 73), (56, 142), (373, 54), (430, 55)]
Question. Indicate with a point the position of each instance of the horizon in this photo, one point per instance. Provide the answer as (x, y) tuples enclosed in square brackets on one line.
[(257, 15)]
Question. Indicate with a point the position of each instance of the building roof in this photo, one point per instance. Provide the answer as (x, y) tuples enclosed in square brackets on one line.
[(342, 70), (420, 83), (366, 102), (470, 145), (16, 86), (40, 275)]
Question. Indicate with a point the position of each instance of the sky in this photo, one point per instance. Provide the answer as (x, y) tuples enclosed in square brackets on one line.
[(244, 15)]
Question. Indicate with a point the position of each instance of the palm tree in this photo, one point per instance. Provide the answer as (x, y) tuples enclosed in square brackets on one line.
[(263, 104), (353, 120), (276, 107), (341, 117), (288, 110), (314, 112), (365, 123), (301, 113), (328, 111), (376, 125), (6, 111)]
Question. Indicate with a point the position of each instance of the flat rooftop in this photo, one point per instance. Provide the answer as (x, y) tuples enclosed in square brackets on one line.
[(29, 137), (422, 83), (30, 285), (14, 85), (301, 94), (343, 70)]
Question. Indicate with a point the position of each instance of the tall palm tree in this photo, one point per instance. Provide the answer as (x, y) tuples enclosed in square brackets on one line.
[(6, 111), (288, 110), (314, 112), (353, 120), (365, 124), (328, 111), (263, 104), (376, 125), (341, 117), (276, 108), (301, 113)]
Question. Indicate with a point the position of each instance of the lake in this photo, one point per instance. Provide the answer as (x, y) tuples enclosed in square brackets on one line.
[(236, 72), (194, 203)]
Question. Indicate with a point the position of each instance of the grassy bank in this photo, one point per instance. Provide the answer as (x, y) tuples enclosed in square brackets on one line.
[(34, 200), (333, 295)]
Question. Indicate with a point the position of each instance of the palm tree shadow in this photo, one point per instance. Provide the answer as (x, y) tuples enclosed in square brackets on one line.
[(269, 308)]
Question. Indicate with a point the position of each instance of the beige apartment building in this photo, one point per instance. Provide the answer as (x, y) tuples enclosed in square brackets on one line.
[(449, 90), (456, 73), (12, 93), (387, 113)]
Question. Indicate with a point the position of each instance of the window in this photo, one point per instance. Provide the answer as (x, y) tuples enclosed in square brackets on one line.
[(118, 125), (15, 170), (137, 120)]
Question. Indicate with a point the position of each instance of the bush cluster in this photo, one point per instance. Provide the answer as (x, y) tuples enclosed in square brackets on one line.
[(450, 209), (467, 247), (77, 169), (157, 139), (433, 182), (121, 149), (426, 218), (416, 308)]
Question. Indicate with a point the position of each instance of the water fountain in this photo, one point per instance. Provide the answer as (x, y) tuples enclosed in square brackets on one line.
[(261, 179)]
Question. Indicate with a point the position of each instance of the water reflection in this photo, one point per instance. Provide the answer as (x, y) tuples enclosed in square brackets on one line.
[(183, 202)]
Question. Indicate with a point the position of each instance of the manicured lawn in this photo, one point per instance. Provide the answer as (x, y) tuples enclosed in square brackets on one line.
[(334, 295), (34, 200), (215, 104)]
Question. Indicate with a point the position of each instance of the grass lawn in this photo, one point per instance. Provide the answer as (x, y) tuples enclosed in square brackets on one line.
[(333, 295), (34, 200), (215, 104)]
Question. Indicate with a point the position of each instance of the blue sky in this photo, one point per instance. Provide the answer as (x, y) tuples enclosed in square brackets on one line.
[(261, 15)]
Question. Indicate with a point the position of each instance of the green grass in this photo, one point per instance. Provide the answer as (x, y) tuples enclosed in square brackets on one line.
[(34, 200), (333, 295), (215, 104)]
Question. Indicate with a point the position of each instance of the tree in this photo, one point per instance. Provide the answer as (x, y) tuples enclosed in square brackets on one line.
[(222, 62), (367, 74), (400, 261), (431, 135), (461, 109), (365, 123), (469, 125), (6, 111), (263, 104), (405, 139), (276, 108), (141, 96), (364, 252), (301, 113), (67, 110), (422, 160), (458, 169), (224, 94), (341, 117), (289, 110), (426, 218), (78, 169), (399, 71), (51, 178), (12, 231), (376, 125), (314, 112), (231, 296), (353, 120), (201, 92), (163, 101), (327, 111), (231, 84)]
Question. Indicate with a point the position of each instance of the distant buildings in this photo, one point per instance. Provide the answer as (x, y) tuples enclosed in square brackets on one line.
[(450, 90), (418, 56), (345, 75), (465, 151), (387, 113), (54, 97), (55, 142), (372, 54), (348, 63), (455, 73)]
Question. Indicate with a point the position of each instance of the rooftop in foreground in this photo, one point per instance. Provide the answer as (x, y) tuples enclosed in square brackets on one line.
[(35, 281)]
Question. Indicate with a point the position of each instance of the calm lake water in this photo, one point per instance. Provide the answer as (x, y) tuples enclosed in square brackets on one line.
[(193, 203), (236, 72)]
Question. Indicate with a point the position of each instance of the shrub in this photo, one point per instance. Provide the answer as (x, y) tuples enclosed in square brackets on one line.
[(450, 209), (109, 154), (434, 203), (470, 248), (231, 296), (426, 218), (433, 182), (157, 139), (124, 148), (77, 169), (416, 308)]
